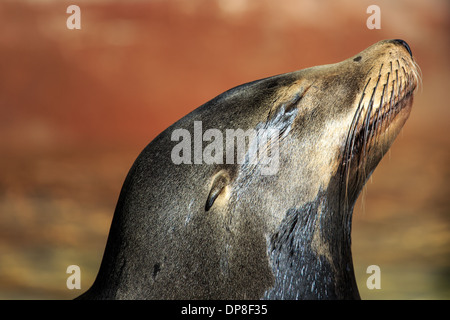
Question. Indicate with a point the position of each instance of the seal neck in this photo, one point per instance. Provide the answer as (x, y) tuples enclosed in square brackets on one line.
[(311, 254)]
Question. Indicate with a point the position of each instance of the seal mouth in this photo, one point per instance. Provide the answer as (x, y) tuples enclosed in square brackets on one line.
[(383, 108)]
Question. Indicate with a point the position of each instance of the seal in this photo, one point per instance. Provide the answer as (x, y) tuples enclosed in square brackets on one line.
[(188, 227)]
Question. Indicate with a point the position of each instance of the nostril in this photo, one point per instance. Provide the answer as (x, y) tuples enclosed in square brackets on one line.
[(403, 43)]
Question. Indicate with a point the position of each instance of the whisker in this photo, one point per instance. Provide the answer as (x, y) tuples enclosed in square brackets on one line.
[(367, 117), (349, 145), (373, 117)]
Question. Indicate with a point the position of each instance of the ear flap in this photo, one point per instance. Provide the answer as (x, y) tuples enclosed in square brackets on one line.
[(221, 180)]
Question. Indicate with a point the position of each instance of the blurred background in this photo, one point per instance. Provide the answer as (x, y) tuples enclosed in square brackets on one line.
[(77, 107)]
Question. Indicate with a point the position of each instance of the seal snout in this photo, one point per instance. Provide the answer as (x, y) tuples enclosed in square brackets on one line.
[(404, 44), (383, 105)]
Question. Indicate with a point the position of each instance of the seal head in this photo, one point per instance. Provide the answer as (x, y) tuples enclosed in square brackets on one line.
[(272, 220)]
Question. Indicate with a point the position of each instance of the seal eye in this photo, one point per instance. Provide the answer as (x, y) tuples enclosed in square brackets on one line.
[(221, 180), (357, 59)]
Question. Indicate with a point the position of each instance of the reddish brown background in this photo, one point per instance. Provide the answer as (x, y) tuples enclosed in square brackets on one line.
[(77, 107)]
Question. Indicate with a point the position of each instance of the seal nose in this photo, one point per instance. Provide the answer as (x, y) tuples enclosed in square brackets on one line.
[(403, 43)]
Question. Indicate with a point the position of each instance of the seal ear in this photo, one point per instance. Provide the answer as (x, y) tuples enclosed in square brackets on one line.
[(220, 181)]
